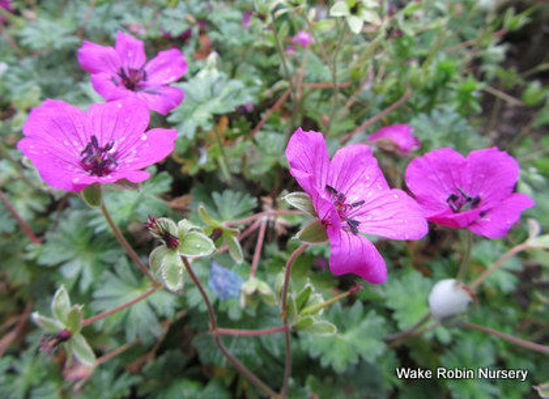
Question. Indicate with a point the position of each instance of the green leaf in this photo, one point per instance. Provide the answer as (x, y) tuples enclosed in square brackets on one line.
[(141, 320), (172, 271), (74, 319), (61, 304), (80, 348), (92, 195), (47, 323), (208, 93), (407, 296), (195, 244), (235, 250), (301, 201), (205, 216), (359, 336), (156, 257), (339, 9), (321, 328), (355, 24), (313, 233)]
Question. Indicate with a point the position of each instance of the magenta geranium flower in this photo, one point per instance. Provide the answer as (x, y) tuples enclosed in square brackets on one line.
[(352, 198), (123, 71), (72, 149), (473, 192), (396, 136), (303, 38)]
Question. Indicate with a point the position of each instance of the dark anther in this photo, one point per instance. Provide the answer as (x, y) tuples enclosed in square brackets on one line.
[(355, 204), (341, 197), (462, 202), (94, 142), (331, 189), (98, 160), (132, 77)]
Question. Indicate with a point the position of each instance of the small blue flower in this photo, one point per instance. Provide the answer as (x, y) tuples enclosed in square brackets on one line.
[(223, 282)]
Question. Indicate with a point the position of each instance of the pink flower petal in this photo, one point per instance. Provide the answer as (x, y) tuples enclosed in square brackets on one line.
[(152, 146), (352, 253), (400, 135), (130, 50), (457, 220), (434, 176), (161, 99), (104, 84), (122, 121), (95, 58), (492, 173), (167, 67), (53, 169), (308, 158), (354, 172), (58, 127), (497, 221), (392, 214)]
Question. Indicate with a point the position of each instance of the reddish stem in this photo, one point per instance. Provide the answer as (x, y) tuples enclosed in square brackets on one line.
[(258, 247), (375, 118), (242, 235), (108, 356), (271, 111), (251, 333), (107, 313), (24, 225), (517, 341)]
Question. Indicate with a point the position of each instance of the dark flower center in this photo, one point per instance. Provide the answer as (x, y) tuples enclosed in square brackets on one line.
[(462, 202), (131, 77), (343, 208), (97, 160)]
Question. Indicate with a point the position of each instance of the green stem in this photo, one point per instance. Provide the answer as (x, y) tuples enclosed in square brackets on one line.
[(315, 308), (126, 245), (466, 255), (223, 158), (284, 315)]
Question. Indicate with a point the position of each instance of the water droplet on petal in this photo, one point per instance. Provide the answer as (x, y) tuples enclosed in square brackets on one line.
[(144, 137)]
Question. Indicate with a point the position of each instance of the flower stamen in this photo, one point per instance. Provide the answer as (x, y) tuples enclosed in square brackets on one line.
[(97, 160)]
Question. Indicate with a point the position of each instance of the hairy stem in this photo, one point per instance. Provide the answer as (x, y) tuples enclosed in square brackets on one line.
[(284, 315), (258, 247), (129, 250), (517, 341), (107, 313), (488, 272), (219, 342)]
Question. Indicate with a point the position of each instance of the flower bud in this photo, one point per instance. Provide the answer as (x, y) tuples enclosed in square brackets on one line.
[(448, 298)]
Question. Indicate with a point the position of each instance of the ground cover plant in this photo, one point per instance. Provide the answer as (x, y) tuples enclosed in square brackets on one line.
[(273, 198)]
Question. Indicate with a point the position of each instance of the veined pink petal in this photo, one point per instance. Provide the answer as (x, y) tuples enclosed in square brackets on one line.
[(354, 172), (167, 67), (151, 147), (95, 58), (59, 126), (57, 170), (434, 176), (392, 214), (104, 84), (498, 220), (161, 99), (492, 173), (122, 121), (352, 253), (130, 50), (308, 158)]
